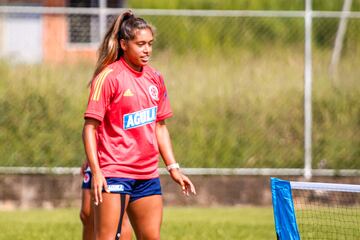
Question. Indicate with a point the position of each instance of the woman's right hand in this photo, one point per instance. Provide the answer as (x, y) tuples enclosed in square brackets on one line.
[(98, 183), (186, 185)]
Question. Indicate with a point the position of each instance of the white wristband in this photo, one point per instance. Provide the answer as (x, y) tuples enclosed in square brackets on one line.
[(172, 166)]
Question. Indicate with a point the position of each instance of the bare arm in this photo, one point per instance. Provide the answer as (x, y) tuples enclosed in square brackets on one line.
[(89, 140), (166, 151)]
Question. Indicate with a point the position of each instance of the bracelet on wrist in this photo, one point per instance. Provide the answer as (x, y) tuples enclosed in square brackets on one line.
[(172, 166)]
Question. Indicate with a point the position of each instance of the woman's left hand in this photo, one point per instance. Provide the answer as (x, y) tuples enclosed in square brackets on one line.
[(186, 185)]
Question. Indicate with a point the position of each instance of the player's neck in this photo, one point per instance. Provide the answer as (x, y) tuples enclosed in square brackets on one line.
[(132, 66)]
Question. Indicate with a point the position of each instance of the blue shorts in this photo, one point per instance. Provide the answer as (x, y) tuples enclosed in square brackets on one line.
[(135, 188), (86, 184)]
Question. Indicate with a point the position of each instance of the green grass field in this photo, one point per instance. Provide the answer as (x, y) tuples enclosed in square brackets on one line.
[(328, 221), (179, 223)]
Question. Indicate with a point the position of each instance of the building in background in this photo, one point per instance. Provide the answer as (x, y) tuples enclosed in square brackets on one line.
[(56, 38)]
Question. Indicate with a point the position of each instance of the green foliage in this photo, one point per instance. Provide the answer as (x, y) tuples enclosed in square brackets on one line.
[(324, 5), (184, 34), (231, 110), (247, 111), (40, 117), (344, 139), (203, 35)]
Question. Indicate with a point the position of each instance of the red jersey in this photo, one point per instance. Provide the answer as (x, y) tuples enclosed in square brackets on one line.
[(128, 104)]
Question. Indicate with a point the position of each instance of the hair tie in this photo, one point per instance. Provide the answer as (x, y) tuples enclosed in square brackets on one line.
[(127, 15)]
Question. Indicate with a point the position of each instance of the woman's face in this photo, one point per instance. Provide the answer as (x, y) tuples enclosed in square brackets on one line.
[(137, 51)]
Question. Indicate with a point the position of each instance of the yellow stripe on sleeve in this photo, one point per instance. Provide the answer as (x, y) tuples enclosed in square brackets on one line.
[(98, 84), (95, 85)]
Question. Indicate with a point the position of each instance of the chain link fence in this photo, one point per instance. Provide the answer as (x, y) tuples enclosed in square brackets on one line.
[(235, 81), (336, 105)]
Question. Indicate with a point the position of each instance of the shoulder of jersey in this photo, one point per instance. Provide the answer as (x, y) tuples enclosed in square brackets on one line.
[(112, 70), (105, 74), (153, 72), (99, 81)]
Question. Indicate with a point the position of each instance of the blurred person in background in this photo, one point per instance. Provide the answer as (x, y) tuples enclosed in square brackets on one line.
[(86, 211), (125, 132)]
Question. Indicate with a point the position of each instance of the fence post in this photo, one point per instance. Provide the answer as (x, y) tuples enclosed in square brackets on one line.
[(307, 91), (102, 19), (340, 37)]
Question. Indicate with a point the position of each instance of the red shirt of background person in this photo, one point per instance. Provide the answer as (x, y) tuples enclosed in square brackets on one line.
[(118, 146)]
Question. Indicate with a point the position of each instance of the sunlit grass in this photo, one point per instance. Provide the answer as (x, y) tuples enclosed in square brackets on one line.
[(178, 223)]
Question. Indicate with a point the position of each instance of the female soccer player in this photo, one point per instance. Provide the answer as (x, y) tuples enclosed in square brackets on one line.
[(125, 131), (86, 211)]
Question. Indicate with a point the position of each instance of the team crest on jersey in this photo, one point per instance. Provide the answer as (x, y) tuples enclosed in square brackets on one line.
[(154, 92), (86, 177), (139, 118)]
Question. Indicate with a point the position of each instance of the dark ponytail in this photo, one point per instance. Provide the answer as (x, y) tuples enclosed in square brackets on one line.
[(122, 28)]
